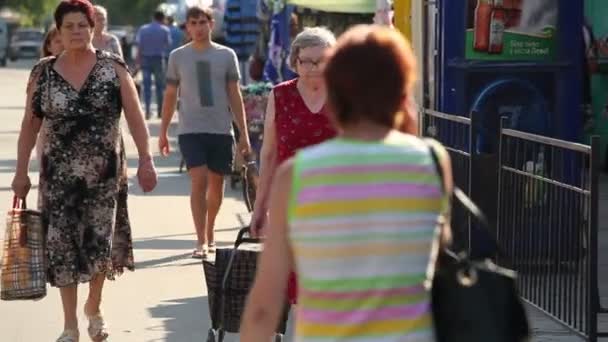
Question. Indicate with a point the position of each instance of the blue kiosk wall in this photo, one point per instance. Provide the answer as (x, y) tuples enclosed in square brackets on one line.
[(553, 86), (539, 95)]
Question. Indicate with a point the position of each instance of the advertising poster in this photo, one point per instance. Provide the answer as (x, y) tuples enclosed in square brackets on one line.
[(596, 52), (511, 30)]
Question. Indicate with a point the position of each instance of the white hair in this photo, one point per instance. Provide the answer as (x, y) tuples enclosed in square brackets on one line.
[(101, 9), (310, 37)]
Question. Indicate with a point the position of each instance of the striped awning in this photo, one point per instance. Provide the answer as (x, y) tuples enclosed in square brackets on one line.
[(342, 6)]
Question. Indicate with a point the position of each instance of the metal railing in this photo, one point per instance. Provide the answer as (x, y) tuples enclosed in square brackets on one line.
[(455, 134), (548, 224)]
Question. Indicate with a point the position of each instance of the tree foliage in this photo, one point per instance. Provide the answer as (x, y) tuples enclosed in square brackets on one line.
[(32, 12), (120, 12), (131, 12)]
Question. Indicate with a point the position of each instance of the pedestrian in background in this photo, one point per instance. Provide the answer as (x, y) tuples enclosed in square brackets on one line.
[(356, 215), (52, 44), (78, 97), (153, 40), (296, 117), (177, 36), (296, 114), (103, 40), (206, 77)]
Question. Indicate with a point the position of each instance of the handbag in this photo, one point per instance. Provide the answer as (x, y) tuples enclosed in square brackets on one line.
[(23, 264), (475, 300)]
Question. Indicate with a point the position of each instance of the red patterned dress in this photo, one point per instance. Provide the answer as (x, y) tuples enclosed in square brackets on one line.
[(297, 127)]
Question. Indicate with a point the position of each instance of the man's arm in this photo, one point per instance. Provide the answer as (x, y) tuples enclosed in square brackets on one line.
[(169, 103), (138, 57), (238, 111), (168, 40), (169, 106)]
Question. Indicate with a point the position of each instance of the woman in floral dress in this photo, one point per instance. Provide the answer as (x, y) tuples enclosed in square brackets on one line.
[(78, 98)]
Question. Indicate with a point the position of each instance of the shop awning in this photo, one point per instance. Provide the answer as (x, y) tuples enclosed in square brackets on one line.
[(342, 6)]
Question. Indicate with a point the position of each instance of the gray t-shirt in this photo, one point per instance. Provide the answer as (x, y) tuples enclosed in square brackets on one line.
[(202, 78)]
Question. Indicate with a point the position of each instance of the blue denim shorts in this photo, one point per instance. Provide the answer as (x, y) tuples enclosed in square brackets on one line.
[(215, 151)]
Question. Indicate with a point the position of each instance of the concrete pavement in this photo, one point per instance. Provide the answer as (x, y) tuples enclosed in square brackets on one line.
[(165, 299)]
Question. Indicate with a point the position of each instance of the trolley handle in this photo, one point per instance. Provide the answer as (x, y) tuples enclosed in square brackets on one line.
[(240, 239)]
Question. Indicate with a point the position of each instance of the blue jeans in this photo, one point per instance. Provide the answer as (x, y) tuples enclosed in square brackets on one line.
[(153, 66)]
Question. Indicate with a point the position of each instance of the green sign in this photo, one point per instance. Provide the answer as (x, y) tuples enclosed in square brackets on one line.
[(511, 30), (339, 6)]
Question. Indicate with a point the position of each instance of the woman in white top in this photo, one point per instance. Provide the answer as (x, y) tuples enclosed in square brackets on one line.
[(102, 40)]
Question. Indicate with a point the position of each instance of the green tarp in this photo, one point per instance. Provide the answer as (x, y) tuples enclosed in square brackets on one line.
[(343, 6)]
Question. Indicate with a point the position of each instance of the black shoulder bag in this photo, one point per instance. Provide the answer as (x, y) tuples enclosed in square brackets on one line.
[(475, 301)]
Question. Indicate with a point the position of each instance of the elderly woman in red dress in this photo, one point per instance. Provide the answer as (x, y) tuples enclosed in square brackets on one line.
[(295, 118)]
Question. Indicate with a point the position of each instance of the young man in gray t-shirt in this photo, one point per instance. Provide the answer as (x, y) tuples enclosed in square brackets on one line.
[(206, 77)]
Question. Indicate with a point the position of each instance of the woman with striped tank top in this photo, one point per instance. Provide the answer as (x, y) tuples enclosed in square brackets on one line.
[(357, 215)]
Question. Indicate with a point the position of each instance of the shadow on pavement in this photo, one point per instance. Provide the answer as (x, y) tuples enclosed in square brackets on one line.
[(185, 319), (8, 188), (9, 165), (163, 236), (175, 184), (168, 261), (160, 244)]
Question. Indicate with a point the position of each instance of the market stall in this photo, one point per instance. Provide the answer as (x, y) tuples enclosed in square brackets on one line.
[(280, 22)]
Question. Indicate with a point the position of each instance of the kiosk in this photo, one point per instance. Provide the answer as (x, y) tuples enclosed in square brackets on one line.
[(596, 12), (519, 59), (514, 58)]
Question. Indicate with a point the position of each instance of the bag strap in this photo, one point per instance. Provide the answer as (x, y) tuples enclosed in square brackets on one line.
[(19, 203), (464, 200), (469, 205)]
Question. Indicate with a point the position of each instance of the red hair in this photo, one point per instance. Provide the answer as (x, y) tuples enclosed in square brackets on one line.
[(74, 6), (369, 75)]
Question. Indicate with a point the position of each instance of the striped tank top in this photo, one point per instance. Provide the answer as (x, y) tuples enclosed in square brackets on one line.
[(363, 218)]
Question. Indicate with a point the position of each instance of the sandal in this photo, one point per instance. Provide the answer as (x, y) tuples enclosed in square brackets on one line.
[(200, 252), (211, 247), (98, 331), (69, 336)]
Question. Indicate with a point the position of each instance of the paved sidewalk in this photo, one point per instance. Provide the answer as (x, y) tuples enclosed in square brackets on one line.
[(165, 299), (547, 330)]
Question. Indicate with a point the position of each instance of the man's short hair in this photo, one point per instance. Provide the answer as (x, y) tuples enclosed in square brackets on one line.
[(196, 12), (159, 15)]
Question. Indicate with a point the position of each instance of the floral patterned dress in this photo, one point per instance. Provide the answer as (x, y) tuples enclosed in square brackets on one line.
[(83, 180)]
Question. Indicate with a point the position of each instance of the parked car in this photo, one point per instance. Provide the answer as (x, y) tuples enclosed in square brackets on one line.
[(26, 43), (3, 42)]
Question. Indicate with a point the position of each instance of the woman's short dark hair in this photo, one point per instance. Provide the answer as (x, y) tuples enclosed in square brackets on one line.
[(369, 74), (196, 12), (74, 6)]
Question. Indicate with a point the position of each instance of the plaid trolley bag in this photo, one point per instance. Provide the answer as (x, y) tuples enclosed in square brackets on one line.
[(229, 280), (23, 263)]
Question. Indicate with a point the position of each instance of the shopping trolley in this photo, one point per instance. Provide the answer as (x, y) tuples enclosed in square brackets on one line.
[(229, 279)]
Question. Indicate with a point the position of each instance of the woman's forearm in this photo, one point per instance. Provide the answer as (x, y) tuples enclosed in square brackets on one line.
[(267, 171), (140, 134), (26, 143)]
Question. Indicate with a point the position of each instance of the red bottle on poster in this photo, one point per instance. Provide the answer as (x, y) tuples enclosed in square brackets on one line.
[(483, 15), (497, 27)]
